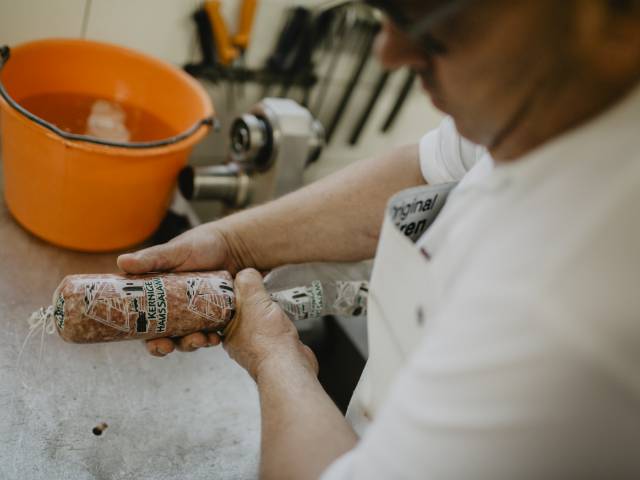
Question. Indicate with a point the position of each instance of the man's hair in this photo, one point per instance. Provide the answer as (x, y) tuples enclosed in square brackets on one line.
[(624, 5)]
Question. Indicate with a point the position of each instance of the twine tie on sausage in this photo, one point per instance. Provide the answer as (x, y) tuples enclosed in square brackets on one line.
[(42, 318), (40, 321)]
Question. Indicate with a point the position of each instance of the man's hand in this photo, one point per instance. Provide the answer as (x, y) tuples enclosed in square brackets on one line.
[(261, 332), (302, 429), (206, 247)]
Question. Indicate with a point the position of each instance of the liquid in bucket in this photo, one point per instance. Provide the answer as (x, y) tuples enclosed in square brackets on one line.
[(98, 117)]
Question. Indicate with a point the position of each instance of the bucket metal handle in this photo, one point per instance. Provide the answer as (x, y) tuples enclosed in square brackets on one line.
[(5, 54)]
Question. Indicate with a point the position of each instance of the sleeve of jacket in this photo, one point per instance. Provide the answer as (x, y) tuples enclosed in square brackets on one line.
[(445, 156)]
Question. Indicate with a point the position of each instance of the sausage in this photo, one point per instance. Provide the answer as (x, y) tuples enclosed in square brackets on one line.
[(107, 308)]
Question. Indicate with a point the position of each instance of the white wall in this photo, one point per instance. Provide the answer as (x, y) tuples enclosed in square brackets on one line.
[(164, 28)]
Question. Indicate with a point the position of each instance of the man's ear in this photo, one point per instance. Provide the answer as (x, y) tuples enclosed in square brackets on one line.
[(394, 49), (607, 36)]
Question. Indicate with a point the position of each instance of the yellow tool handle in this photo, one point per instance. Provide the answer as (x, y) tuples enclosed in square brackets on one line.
[(226, 52), (245, 23)]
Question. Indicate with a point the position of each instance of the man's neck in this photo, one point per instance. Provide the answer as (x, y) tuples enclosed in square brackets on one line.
[(551, 115)]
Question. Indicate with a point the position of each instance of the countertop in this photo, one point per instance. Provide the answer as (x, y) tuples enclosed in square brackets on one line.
[(187, 416)]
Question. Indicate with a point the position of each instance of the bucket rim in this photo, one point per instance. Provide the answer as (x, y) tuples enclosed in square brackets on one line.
[(210, 121)]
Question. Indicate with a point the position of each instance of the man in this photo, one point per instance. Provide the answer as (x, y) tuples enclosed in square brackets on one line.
[(508, 343)]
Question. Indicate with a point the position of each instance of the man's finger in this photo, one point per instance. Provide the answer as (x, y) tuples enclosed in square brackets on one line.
[(159, 347), (213, 339), (192, 342), (153, 259)]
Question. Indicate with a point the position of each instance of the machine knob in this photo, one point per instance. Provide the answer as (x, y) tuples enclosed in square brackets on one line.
[(251, 142), (217, 182)]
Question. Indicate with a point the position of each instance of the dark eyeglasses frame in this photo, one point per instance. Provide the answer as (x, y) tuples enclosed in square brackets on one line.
[(419, 31)]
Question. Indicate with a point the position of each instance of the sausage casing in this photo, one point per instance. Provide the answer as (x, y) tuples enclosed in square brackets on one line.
[(111, 307)]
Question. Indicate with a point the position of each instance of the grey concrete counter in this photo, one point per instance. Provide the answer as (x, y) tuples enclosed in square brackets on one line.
[(188, 416)]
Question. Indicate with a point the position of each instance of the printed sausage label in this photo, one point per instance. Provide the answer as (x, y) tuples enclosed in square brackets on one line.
[(317, 299), (121, 304), (301, 303), (58, 311), (296, 302), (156, 296), (351, 298), (90, 308), (211, 298), (112, 303)]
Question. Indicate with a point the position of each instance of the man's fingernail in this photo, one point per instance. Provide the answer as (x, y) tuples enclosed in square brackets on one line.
[(194, 346), (160, 351)]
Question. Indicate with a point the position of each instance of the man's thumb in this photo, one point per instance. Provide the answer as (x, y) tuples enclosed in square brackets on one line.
[(248, 285), (153, 259)]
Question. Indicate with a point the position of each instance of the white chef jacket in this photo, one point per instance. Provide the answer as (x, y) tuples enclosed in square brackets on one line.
[(528, 363)]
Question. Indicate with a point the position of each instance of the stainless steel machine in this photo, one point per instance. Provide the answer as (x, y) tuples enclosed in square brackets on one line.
[(270, 148)]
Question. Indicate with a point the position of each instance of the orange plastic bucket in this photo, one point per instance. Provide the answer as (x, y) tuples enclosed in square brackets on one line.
[(78, 191)]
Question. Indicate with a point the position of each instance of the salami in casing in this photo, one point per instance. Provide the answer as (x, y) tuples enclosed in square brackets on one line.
[(106, 308)]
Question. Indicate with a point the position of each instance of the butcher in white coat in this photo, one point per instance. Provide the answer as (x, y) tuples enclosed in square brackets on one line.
[(505, 337)]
